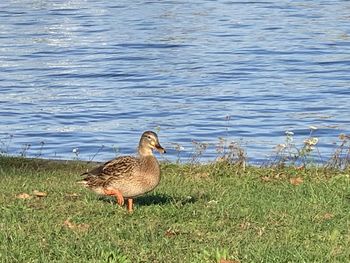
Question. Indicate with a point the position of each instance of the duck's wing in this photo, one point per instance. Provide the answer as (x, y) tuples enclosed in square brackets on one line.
[(113, 170)]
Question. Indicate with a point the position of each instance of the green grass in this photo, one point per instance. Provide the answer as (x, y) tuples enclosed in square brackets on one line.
[(197, 214)]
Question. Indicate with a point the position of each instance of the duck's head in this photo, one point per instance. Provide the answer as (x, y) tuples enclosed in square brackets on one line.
[(148, 142)]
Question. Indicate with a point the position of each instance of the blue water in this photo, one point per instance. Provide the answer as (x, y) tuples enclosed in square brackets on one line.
[(82, 74)]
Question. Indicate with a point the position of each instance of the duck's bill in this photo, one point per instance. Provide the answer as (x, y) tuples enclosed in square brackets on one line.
[(160, 149)]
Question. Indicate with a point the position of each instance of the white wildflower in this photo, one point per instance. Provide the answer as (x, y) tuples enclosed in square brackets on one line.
[(289, 133), (281, 146), (311, 141), (75, 150)]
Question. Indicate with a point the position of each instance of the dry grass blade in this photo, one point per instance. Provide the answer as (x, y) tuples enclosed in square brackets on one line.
[(296, 181), (83, 227), (39, 194), (23, 196)]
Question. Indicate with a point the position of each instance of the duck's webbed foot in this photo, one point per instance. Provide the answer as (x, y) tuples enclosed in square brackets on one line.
[(115, 192)]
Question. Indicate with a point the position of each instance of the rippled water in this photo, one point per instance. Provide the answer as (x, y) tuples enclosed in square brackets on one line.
[(81, 74)]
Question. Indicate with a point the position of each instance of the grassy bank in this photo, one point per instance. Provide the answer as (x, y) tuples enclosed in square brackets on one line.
[(197, 214)]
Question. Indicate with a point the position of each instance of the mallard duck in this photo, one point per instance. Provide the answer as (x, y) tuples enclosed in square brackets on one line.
[(128, 176)]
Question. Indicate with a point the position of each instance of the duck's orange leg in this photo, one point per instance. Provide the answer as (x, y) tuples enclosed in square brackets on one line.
[(130, 204), (116, 193)]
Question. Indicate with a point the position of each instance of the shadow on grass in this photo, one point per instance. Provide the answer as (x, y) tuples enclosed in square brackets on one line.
[(158, 199), (154, 199)]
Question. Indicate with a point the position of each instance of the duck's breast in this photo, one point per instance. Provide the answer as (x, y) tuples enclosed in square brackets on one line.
[(146, 177)]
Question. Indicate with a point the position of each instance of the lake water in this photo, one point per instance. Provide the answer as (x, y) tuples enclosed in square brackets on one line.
[(81, 74)]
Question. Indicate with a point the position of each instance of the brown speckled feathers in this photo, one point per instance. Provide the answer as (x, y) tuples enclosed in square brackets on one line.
[(115, 169)]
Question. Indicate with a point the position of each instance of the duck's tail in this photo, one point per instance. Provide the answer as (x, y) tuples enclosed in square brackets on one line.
[(82, 182)]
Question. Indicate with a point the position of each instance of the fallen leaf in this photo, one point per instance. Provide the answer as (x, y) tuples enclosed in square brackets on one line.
[(296, 181), (280, 176), (170, 233), (67, 223), (23, 196), (265, 178), (301, 167), (245, 225), (39, 194), (202, 175), (328, 216)]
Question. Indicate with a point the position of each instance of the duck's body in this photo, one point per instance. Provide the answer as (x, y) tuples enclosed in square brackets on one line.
[(132, 176), (127, 176)]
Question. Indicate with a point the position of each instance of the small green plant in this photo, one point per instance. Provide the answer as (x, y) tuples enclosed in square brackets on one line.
[(76, 153), (25, 148), (114, 257), (199, 150), (178, 149), (231, 152), (96, 153), (5, 144), (341, 157), (40, 151), (221, 253), (290, 153), (216, 255)]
